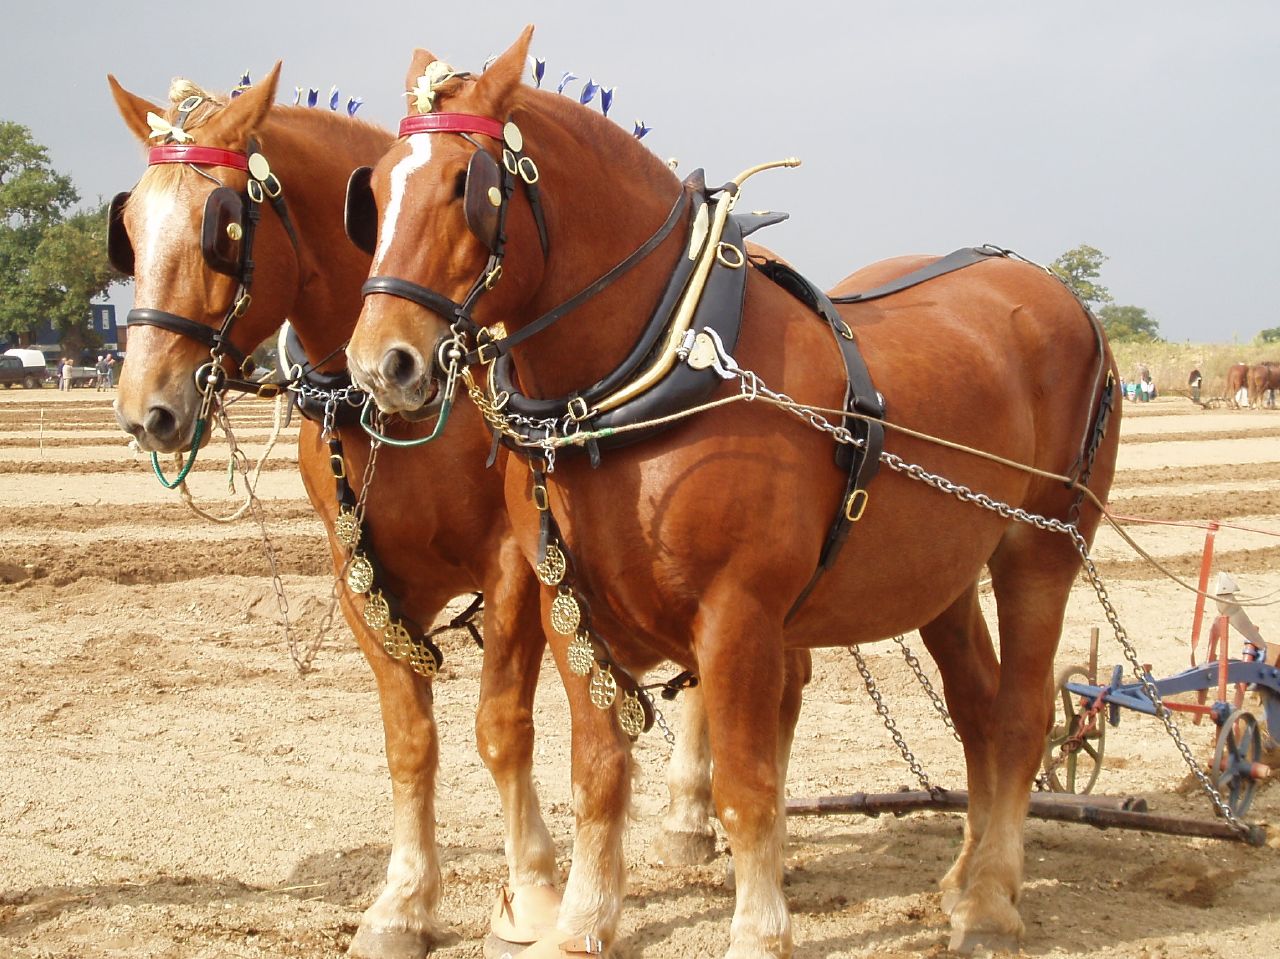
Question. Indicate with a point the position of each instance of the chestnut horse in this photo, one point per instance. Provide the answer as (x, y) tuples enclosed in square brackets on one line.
[(436, 539), (1237, 379), (695, 544), (1263, 378)]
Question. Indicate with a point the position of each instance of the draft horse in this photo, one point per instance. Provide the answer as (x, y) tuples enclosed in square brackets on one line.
[(434, 538), (1263, 379), (696, 543)]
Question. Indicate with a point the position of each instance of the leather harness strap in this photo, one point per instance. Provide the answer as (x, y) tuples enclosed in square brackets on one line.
[(957, 260)]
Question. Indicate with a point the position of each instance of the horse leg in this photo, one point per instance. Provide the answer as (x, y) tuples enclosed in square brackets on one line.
[(1032, 572), (514, 642), (687, 837), (401, 923), (960, 644), (743, 678)]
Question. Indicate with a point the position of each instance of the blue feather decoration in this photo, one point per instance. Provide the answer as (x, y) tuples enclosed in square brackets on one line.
[(297, 95), (565, 80), (606, 99), (539, 68), (333, 98), (353, 105), (589, 91), (640, 130), (313, 96)]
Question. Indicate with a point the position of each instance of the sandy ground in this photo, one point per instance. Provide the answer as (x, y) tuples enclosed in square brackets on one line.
[(169, 787)]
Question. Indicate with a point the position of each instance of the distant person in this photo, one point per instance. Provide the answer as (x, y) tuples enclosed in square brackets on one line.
[(111, 370), (103, 379), (1194, 381), (65, 382)]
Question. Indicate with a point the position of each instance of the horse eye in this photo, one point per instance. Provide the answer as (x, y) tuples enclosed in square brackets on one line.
[(460, 185)]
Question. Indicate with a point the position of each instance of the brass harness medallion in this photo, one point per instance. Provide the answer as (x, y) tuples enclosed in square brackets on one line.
[(565, 613), (377, 611), (581, 655), (396, 641), (345, 528), (631, 715), (552, 568), (360, 574), (604, 688)]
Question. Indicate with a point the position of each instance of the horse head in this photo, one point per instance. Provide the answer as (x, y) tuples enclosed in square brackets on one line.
[(183, 233)]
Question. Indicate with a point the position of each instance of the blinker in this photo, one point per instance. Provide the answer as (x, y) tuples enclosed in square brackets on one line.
[(484, 182), (222, 230), (119, 246), (361, 215)]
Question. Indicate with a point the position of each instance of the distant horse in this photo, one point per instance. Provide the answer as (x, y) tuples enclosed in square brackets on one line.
[(696, 543), (436, 519), (1237, 380), (1263, 378)]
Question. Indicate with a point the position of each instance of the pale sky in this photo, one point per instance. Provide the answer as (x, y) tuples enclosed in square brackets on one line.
[(1149, 130)]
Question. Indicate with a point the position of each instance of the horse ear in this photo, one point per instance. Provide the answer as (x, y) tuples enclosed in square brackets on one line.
[(247, 111), (418, 66), (498, 84), (134, 109)]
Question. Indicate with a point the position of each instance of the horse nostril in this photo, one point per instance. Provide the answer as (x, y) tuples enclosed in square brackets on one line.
[(401, 368), (161, 423)]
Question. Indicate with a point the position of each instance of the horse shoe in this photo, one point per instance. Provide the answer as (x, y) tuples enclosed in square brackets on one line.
[(521, 916)]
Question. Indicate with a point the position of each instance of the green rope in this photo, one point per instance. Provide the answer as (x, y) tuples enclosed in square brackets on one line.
[(441, 419), (186, 467)]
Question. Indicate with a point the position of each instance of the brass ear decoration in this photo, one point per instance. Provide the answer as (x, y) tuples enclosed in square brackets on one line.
[(436, 75), (259, 168), (631, 715)]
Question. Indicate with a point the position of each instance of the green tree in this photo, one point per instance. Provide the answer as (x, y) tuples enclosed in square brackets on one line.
[(1079, 268), (52, 261), (1129, 324), (1269, 336)]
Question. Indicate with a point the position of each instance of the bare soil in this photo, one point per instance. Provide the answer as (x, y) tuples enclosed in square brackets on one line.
[(170, 788)]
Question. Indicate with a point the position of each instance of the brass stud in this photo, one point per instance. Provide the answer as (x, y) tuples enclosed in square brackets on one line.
[(235, 231), (495, 196)]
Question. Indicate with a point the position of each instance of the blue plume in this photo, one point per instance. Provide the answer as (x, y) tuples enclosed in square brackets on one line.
[(244, 79), (488, 62), (565, 80), (606, 99), (353, 105), (236, 92), (588, 93), (313, 96), (333, 98), (640, 130), (297, 95), (243, 85), (539, 68)]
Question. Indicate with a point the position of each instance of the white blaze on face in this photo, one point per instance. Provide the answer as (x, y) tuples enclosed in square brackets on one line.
[(157, 232), (419, 156)]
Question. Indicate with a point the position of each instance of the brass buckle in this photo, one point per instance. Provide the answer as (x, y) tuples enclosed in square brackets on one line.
[(272, 186), (578, 409), (338, 465), (856, 505), (493, 276), (255, 190), (242, 305), (267, 391), (845, 331), (540, 498), (487, 352)]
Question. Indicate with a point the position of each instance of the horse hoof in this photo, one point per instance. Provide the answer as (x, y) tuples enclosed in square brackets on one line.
[(685, 848), (392, 944), (498, 948), (966, 941)]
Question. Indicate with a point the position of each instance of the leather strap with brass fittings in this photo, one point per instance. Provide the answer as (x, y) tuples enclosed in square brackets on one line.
[(855, 505), (540, 499), (578, 409), (338, 465)]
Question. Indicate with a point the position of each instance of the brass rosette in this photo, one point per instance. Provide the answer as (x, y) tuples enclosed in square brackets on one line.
[(421, 661), (631, 715), (604, 688), (360, 574), (552, 568), (565, 613), (581, 655), (395, 640), (346, 529), (377, 611)]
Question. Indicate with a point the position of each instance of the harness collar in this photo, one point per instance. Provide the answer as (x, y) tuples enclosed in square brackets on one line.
[(450, 123), (198, 155)]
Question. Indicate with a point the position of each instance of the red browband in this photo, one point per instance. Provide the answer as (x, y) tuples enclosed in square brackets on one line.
[(204, 156), (450, 123)]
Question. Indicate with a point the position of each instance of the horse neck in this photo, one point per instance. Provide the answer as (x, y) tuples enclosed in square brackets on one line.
[(313, 154), (603, 195)]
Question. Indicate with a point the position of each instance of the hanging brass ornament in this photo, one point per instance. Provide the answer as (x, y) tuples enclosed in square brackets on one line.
[(581, 655), (604, 688), (360, 574), (396, 641), (346, 528), (377, 611), (565, 614), (631, 715), (551, 570), (421, 661)]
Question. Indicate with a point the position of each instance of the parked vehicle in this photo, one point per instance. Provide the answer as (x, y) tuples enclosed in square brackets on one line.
[(21, 366)]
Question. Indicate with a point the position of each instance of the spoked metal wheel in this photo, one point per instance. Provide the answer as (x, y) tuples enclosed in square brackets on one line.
[(1075, 771), (1239, 749)]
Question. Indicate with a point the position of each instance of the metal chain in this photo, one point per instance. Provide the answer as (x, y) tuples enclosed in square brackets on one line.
[(667, 733), (874, 692), (938, 704)]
